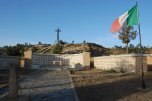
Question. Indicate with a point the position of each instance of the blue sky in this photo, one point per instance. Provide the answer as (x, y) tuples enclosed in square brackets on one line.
[(32, 21)]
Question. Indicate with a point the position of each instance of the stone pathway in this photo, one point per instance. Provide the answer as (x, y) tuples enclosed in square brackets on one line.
[(48, 86)]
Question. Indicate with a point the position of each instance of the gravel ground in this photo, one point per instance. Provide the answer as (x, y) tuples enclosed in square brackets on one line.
[(44, 86), (113, 88), (48, 86)]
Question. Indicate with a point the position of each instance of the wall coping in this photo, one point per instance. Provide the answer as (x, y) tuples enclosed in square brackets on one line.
[(2, 56), (125, 55), (56, 54)]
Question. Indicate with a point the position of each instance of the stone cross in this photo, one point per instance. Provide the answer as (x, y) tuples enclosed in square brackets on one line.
[(58, 31)]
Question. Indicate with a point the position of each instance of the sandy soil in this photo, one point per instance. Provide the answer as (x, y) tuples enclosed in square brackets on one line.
[(113, 88)]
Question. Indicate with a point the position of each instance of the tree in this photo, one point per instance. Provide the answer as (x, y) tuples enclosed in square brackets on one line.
[(39, 43), (84, 42), (26, 44), (62, 42), (118, 47), (17, 50), (131, 48), (73, 42), (1, 51), (57, 49), (127, 34), (8, 50), (29, 44)]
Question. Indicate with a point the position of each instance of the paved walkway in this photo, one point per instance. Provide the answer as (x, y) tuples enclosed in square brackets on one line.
[(48, 86)]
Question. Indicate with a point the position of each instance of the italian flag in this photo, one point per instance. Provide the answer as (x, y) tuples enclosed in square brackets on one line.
[(129, 18)]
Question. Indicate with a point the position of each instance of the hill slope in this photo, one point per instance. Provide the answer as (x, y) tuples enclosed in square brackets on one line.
[(95, 49)]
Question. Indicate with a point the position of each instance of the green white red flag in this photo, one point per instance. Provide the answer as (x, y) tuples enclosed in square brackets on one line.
[(129, 18)]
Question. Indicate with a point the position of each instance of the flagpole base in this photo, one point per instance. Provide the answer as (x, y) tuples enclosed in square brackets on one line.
[(143, 84)]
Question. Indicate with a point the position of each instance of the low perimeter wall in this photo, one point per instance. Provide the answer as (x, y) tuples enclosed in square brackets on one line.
[(5, 61), (127, 63)]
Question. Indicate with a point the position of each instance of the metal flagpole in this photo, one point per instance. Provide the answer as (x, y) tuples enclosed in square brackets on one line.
[(141, 53)]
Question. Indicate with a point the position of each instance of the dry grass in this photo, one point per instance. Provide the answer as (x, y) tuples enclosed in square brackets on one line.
[(113, 88)]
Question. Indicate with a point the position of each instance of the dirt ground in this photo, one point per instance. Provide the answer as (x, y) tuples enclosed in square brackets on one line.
[(93, 86)]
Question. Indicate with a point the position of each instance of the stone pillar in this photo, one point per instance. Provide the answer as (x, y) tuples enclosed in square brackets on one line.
[(13, 81), (86, 60)]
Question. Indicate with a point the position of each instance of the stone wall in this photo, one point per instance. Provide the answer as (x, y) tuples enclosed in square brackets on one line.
[(149, 59), (5, 61), (71, 60), (149, 62), (129, 63), (28, 54), (25, 63), (86, 59), (75, 60), (27, 60)]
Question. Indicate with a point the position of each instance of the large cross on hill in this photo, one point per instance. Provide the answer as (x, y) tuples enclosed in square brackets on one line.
[(58, 31)]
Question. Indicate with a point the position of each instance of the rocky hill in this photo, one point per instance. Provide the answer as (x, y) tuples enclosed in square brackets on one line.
[(94, 49), (64, 48)]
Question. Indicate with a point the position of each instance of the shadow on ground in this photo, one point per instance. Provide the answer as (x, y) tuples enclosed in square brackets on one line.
[(128, 89)]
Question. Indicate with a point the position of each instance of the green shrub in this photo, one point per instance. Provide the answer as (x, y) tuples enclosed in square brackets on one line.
[(110, 70), (57, 49)]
